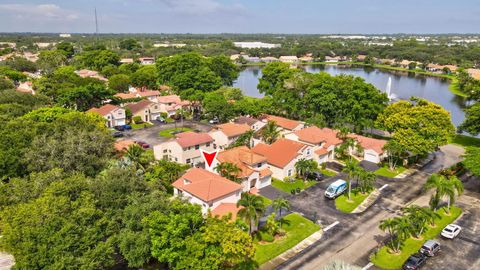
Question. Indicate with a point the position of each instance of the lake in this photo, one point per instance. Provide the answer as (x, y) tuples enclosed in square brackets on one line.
[(403, 85)]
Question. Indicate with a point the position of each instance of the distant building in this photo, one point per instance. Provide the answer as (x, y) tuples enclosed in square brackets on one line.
[(256, 44), (65, 35), (289, 59), (114, 115), (86, 73), (146, 60), (126, 60), (269, 59), (166, 45)]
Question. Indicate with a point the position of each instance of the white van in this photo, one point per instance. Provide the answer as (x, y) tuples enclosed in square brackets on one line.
[(336, 189)]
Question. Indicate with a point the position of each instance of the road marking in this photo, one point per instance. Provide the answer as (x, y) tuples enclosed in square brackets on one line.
[(367, 266), (331, 226), (383, 187)]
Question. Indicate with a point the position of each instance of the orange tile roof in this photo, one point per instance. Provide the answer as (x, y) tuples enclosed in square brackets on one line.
[(243, 157), (150, 93), (125, 95), (265, 172), (232, 129), (245, 120), (315, 135), (138, 106), (321, 151), (370, 143), (224, 209), (206, 185), (122, 145), (189, 138), (105, 109), (283, 122), (280, 153)]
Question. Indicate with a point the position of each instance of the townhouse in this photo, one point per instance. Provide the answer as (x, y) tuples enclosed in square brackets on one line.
[(372, 148), (285, 125), (226, 134), (209, 190), (145, 109), (292, 59), (185, 148), (171, 104), (253, 123), (323, 140), (114, 115), (254, 172), (146, 60), (282, 156)]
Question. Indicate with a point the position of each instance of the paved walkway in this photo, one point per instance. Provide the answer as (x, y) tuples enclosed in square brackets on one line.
[(305, 243), (405, 173)]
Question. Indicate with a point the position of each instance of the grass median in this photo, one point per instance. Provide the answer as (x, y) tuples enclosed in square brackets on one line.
[(289, 186), (386, 260), (168, 133), (385, 171), (296, 227), (347, 206)]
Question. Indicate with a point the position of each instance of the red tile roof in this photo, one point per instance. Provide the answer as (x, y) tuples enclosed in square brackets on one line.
[(206, 185), (245, 120), (105, 109), (138, 106), (124, 144), (283, 122), (242, 157), (315, 135), (280, 153), (321, 151), (125, 95), (150, 93), (189, 138), (233, 130), (224, 209), (370, 143)]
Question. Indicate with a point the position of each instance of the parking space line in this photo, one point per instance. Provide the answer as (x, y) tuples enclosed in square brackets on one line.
[(367, 266), (383, 187), (331, 226)]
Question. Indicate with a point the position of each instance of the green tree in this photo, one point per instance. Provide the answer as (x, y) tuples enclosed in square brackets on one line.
[(119, 83), (138, 157), (84, 97), (163, 173), (472, 160), (366, 181), (278, 205), (273, 77), (351, 168), (246, 139), (270, 132), (6, 84), (404, 118), (216, 105), (20, 64), (230, 171), (304, 167), (48, 61), (66, 48), (253, 208), (471, 124), (96, 59), (443, 187), (225, 68), (129, 44), (145, 77), (395, 152), (271, 225)]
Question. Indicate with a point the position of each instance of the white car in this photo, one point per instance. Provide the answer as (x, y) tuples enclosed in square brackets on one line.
[(451, 231)]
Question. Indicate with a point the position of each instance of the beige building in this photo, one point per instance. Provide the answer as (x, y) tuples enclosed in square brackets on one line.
[(114, 115), (185, 148), (226, 134), (146, 109), (285, 125)]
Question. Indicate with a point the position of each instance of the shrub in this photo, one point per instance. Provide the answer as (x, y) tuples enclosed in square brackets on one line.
[(271, 225), (137, 119), (265, 236)]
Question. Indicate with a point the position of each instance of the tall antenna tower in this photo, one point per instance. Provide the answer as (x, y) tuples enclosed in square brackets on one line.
[(96, 24)]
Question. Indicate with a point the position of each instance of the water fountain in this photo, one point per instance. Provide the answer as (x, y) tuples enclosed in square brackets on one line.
[(388, 90)]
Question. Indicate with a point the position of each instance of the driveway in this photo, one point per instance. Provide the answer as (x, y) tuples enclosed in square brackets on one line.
[(150, 134)]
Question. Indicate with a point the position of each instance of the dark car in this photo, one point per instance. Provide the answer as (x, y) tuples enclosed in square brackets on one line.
[(415, 261), (143, 144), (120, 128), (117, 134), (317, 176), (430, 248), (127, 127)]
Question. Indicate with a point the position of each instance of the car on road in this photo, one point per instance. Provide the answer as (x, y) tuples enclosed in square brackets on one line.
[(430, 248), (161, 120), (451, 231), (144, 145), (317, 176), (336, 189), (119, 128), (214, 121), (117, 134), (127, 127), (415, 261)]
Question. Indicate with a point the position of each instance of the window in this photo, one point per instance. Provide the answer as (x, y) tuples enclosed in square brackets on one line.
[(165, 151), (197, 147), (214, 146), (308, 151), (176, 159), (187, 161), (189, 148), (259, 165), (208, 144), (289, 173)]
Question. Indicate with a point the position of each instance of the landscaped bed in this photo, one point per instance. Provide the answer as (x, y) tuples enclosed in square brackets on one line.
[(296, 227), (289, 186), (170, 133), (386, 260), (142, 125), (328, 172), (343, 204), (385, 171), (266, 201)]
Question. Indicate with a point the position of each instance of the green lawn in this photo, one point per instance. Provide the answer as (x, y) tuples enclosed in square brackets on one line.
[(288, 187), (328, 172), (386, 260), (385, 171), (297, 228), (266, 201), (342, 203), (465, 141), (168, 132), (142, 125)]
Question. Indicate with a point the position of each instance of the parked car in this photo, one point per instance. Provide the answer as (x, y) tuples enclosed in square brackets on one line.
[(415, 261), (117, 134), (119, 128), (336, 189), (127, 127), (144, 145), (214, 121), (161, 120), (451, 231), (430, 248), (317, 176)]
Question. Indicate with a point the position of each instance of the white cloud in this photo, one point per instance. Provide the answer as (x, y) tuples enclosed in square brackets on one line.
[(200, 7), (43, 11)]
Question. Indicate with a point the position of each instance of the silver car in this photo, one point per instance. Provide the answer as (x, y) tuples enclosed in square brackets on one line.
[(430, 248)]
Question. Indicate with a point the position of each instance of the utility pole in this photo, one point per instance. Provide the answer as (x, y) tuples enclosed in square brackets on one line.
[(96, 24)]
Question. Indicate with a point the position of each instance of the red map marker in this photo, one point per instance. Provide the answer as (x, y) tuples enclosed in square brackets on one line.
[(209, 157)]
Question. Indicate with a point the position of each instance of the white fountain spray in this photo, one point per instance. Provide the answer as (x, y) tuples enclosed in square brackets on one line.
[(389, 88)]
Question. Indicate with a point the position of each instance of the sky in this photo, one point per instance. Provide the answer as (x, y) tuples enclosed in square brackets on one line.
[(242, 16)]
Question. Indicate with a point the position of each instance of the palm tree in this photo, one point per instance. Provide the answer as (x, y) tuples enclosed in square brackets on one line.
[(443, 186), (367, 180), (418, 219), (279, 204), (244, 140), (253, 208), (390, 225), (430, 216), (435, 182), (351, 168), (453, 188), (229, 171), (305, 166), (270, 132), (134, 153)]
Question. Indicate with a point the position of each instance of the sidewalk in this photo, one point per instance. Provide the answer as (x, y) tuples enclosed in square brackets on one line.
[(405, 173), (305, 243), (367, 202)]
